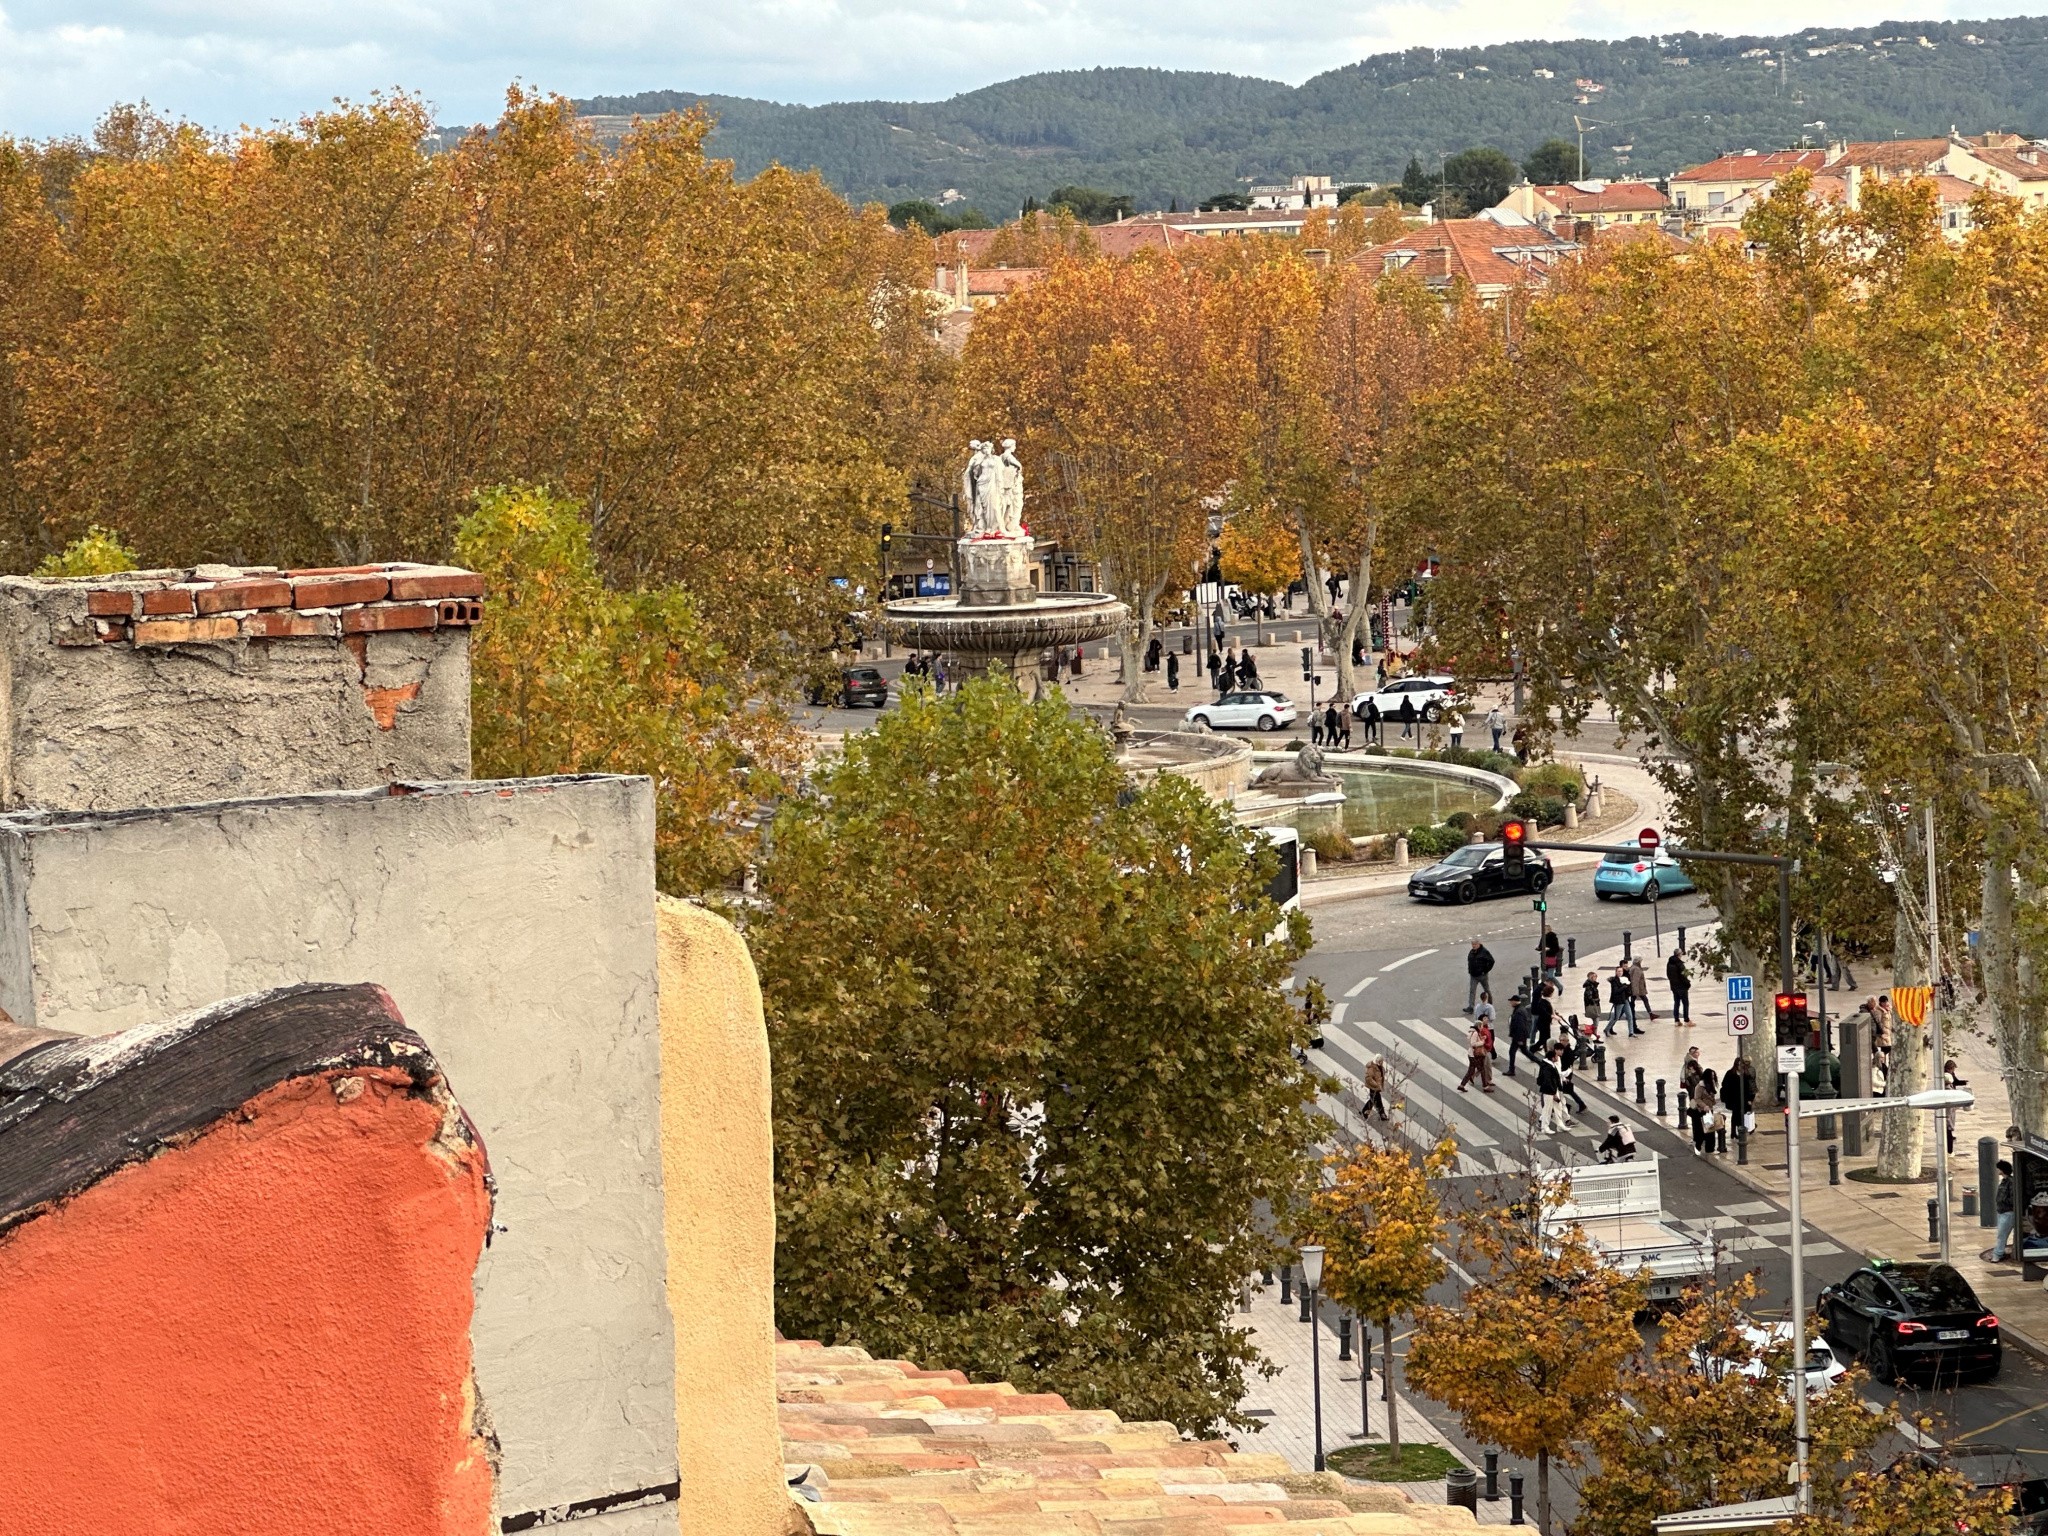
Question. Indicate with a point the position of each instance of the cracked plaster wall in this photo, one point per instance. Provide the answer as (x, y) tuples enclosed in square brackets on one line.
[(87, 726), (514, 924)]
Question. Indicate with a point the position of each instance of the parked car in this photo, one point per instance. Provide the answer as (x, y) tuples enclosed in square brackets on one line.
[(1912, 1319), (856, 686), (1430, 695), (1823, 1367), (1997, 1466), (1641, 875), (1479, 869), (1236, 711)]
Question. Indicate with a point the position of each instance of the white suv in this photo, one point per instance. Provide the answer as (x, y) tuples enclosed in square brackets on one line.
[(1267, 711), (1431, 696)]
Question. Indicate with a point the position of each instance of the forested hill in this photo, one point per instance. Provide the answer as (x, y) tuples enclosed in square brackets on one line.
[(1164, 135)]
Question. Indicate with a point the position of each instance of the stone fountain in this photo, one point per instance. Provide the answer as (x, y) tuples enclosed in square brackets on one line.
[(997, 621)]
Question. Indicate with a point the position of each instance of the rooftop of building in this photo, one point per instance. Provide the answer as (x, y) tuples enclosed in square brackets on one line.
[(1894, 155), (887, 1449), (1750, 165), (1482, 252), (1581, 197)]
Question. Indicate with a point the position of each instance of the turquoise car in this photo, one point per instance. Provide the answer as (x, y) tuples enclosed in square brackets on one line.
[(1643, 876)]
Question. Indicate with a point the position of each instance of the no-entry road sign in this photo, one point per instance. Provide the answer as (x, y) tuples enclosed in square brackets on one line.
[(1649, 839)]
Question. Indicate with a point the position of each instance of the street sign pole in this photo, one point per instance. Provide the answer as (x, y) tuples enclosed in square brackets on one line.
[(1803, 1492)]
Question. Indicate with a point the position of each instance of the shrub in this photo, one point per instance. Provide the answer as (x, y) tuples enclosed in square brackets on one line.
[(1545, 810), (1332, 843), (1434, 842), (1555, 779)]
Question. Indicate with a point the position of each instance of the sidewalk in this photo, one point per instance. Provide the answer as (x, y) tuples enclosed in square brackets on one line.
[(1285, 1403), (1873, 1220)]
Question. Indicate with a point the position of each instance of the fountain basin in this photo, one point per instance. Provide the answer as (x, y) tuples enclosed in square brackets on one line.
[(1006, 632)]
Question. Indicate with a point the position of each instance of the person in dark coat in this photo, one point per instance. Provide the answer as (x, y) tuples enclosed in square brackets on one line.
[(1371, 717), (1738, 1092), (1590, 995), (1407, 718), (1518, 1034), (1681, 988), (1542, 1013), (1548, 1081), (1215, 667), (1248, 671), (1226, 680), (1333, 726), (1173, 671), (1478, 968)]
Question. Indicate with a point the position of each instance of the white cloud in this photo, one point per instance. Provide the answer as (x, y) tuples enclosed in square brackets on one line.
[(223, 62)]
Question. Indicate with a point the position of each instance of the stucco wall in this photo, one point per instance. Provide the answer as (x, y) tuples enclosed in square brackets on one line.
[(718, 1169), (514, 924), (104, 726)]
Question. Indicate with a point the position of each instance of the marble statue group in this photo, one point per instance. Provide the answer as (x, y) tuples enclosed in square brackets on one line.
[(992, 487)]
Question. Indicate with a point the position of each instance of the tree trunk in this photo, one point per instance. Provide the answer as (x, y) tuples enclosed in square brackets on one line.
[(1904, 1131), (2006, 973), (1318, 594), (1393, 1397), (1355, 620), (1543, 1492), (1137, 689)]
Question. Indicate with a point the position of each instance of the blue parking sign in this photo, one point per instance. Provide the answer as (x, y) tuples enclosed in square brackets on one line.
[(1741, 989)]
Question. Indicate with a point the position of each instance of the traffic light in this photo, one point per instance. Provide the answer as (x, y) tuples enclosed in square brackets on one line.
[(1308, 662), (1514, 837), (1794, 1028), (888, 531)]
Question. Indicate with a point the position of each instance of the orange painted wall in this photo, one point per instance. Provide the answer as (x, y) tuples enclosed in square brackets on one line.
[(264, 1331)]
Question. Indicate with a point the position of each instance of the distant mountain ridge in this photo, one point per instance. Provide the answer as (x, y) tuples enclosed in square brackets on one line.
[(1176, 135)]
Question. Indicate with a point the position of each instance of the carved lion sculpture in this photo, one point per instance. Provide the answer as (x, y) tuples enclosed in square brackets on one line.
[(1303, 771)]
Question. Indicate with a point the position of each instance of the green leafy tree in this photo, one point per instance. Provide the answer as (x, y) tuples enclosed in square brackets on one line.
[(96, 552), (1417, 185), (919, 211), (570, 676), (1479, 177), (1090, 204), (1034, 1081), (1552, 161)]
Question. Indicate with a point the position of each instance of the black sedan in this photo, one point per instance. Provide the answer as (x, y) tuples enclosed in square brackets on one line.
[(1479, 869), (1912, 1320)]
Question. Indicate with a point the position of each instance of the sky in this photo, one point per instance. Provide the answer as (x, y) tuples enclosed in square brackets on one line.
[(227, 62)]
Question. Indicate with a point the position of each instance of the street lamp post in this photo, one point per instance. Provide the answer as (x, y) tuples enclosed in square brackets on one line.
[(1312, 1278)]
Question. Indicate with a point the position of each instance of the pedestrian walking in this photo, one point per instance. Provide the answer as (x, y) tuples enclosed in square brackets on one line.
[(1333, 723), (1248, 670), (1479, 1052), (1553, 956), (1518, 1034), (1344, 729), (1704, 1108), (1497, 723), (1375, 1086), (1550, 1108), (1619, 1144), (1457, 724), (1639, 988), (1371, 717), (1077, 661), (1173, 671), (1542, 1014), (1589, 995), (1407, 718), (2002, 1204), (1738, 1093), (1226, 681), (1215, 668), (1478, 971), (1152, 651), (1568, 1080), (1315, 729), (1621, 1003), (1680, 979), (1688, 1079)]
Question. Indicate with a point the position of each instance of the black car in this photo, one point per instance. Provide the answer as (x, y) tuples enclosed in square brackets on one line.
[(857, 686), (1912, 1319), (1479, 869), (1997, 1466)]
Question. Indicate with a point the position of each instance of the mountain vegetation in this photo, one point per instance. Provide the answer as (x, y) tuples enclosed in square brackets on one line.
[(1164, 136)]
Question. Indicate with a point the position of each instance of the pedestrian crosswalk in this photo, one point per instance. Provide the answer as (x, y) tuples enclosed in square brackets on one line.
[(1500, 1132)]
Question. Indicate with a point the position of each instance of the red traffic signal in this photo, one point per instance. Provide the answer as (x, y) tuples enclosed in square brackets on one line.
[(1794, 1025), (1514, 835)]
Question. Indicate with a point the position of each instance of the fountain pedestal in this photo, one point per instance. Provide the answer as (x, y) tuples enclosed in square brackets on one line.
[(996, 572)]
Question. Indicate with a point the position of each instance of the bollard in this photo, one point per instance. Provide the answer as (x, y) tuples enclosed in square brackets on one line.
[(1308, 863), (1492, 1476), (1266, 1275), (1661, 1110), (1461, 1489), (1620, 1076), (1515, 1499), (1400, 853), (1969, 1202), (1987, 1178), (1825, 1128), (1627, 940), (1571, 815), (1344, 1337), (1834, 1164), (1741, 1142), (1600, 1062), (1571, 954), (1302, 1292), (1286, 1284), (1934, 1221), (1640, 1097)]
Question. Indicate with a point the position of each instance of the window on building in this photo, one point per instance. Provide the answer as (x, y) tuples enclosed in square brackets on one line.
[(1716, 199), (1681, 199)]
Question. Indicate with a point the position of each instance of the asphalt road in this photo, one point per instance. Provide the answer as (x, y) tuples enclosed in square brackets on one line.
[(1396, 970)]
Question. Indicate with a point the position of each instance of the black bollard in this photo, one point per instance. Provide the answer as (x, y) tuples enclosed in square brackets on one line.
[(1640, 1098), (1515, 1499), (1661, 1110), (1571, 954), (1681, 938), (1834, 1164), (1969, 1202), (1600, 1062), (1987, 1179), (1627, 944), (1266, 1275), (1741, 1142), (1620, 1073), (1286, 1284), (1934, 1221), (1492, 1476), (1302, 1292), (1344, 1338)]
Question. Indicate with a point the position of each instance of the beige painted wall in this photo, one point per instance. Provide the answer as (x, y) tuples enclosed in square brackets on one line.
[(717, 1178)]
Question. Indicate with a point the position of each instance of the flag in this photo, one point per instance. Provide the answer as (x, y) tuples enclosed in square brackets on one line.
[(1909, 1004)]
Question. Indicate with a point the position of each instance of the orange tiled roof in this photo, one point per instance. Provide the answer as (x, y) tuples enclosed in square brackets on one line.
[(1471, 249), (1615, 197), (1897, 156), (2025, 164), (1755, 167), (892, 1450)]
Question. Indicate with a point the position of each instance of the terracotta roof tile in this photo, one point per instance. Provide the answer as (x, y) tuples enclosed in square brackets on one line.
[(2025, 164), (1898, 156), (1615, 197), (1755, 167), (926, 1453), (1477, 250)]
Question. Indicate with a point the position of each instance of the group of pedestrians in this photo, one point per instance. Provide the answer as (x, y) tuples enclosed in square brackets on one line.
[(1234, 671), (1713, 1104), (1628, 994), (1331, 728), (928, 666), (1531, 1022)]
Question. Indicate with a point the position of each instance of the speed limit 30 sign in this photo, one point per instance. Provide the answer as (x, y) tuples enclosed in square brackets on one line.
[(1741, 1005)]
